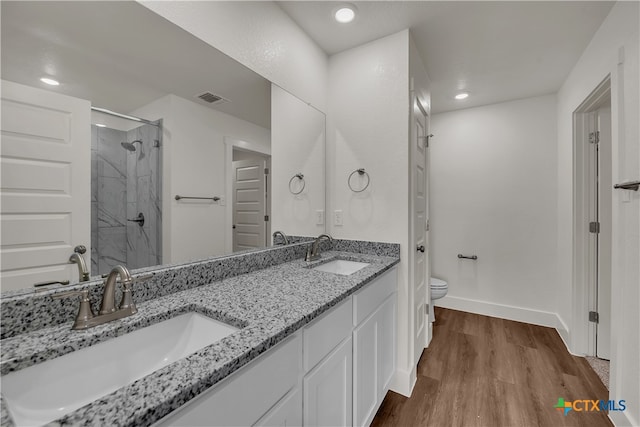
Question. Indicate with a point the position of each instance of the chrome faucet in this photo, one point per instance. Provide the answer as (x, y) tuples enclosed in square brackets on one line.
[(86, 319), (77, 258), (313, 252), (284, 236)]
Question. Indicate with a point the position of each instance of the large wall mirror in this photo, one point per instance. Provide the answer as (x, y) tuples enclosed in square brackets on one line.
[(192, 154)]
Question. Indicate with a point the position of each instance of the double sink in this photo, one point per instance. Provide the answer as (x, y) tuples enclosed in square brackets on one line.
[(49, 390)]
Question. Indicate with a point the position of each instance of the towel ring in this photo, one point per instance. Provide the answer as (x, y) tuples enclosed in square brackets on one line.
[(301, 178), (360, 172)]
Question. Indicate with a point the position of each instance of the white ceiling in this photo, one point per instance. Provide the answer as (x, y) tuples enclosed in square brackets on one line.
[(497, 51), (121, 56)]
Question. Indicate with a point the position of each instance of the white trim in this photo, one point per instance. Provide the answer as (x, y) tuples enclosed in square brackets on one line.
[(622, 418), (583, 294), (404, 381), (509, 312)]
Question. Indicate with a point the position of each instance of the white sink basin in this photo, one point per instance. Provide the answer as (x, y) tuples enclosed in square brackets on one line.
[(45, 392), (340, 266)]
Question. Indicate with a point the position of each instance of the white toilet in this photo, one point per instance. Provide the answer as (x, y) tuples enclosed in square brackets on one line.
[(439, 288)]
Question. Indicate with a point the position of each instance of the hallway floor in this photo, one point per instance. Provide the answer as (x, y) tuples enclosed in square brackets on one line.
[(484, 371)]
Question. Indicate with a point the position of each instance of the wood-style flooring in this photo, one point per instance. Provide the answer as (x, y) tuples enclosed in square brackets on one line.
[(484, 371)]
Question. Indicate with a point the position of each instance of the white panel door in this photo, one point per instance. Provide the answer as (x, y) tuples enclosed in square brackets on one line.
[(327, 390), (249, 201), (419, 245), (45, 186)]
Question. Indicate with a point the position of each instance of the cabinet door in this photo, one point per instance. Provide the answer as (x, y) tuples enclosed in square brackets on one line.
[(365, 371), (288, 412), (386, 345), (328, 389), (244, 397)]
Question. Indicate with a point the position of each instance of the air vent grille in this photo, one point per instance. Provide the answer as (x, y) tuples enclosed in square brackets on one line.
[(211, 98)]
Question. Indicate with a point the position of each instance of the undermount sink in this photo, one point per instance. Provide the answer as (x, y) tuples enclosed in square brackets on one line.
[(341, 266), (45, 392)]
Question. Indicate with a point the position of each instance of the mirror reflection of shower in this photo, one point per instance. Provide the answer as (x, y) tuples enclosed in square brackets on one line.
[(130, 145), (125, 185)]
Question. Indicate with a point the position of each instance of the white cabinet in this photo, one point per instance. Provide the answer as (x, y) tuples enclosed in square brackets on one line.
[(245, 397), (328, 364), (288, 412), (386, 345), (334, 372), (327, 389), (365, 379), (374, 347)]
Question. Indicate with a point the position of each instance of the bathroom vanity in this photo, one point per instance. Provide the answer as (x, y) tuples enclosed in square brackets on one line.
[(304, 346)]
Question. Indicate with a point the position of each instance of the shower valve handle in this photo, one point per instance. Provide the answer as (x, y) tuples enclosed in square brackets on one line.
[(139, 219)]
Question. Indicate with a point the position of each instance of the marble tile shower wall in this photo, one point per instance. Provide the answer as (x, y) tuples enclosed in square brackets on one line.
[(108, 199), (124, 184), (143, 196)]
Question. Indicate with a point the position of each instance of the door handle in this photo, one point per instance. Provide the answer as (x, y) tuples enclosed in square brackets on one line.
[(420, 248), (631, 185)]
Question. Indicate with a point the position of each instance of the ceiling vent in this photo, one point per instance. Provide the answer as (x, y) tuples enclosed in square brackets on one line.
[(212, 98)]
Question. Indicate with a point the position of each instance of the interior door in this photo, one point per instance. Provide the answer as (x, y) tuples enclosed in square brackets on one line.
[(249, 204), (46, 184), (418, 246)]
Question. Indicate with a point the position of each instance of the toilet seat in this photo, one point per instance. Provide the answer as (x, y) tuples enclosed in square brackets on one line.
[(439, 289), (438, 283)]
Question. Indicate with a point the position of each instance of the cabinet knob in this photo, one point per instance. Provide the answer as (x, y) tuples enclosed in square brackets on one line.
[(420, 248)]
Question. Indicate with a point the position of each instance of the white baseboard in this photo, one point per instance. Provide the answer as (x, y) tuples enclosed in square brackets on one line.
[(404, 381), (509, 312)]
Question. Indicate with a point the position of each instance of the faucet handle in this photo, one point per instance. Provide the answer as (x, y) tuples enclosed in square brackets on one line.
[(127, 295), (142, 278), (85, 313)]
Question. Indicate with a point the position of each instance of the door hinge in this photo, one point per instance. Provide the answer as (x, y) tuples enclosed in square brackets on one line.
[(266, 217), (594, 227), (594, 317), (266, 171), (594, 137)]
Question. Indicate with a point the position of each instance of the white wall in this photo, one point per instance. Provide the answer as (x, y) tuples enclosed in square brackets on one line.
[(259, 35), (601, 58), (194, 165), (297, 146), (367, 127), (493, 194)]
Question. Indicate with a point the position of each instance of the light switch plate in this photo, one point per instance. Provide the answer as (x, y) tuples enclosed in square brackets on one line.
[(319, 217), (337, 217)]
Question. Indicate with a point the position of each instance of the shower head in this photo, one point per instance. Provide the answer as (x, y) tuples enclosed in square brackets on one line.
[(130, 145)]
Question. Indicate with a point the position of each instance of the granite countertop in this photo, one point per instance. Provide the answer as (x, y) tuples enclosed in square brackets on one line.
[(268, 305)]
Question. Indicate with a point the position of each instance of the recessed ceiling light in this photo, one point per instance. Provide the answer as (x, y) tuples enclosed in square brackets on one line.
[(345, 14), (462, 95), (49, 81), (100, 125)]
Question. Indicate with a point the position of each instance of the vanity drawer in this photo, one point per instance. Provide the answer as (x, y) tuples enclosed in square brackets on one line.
[(366, 300), (248, 394), (324, 334)]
